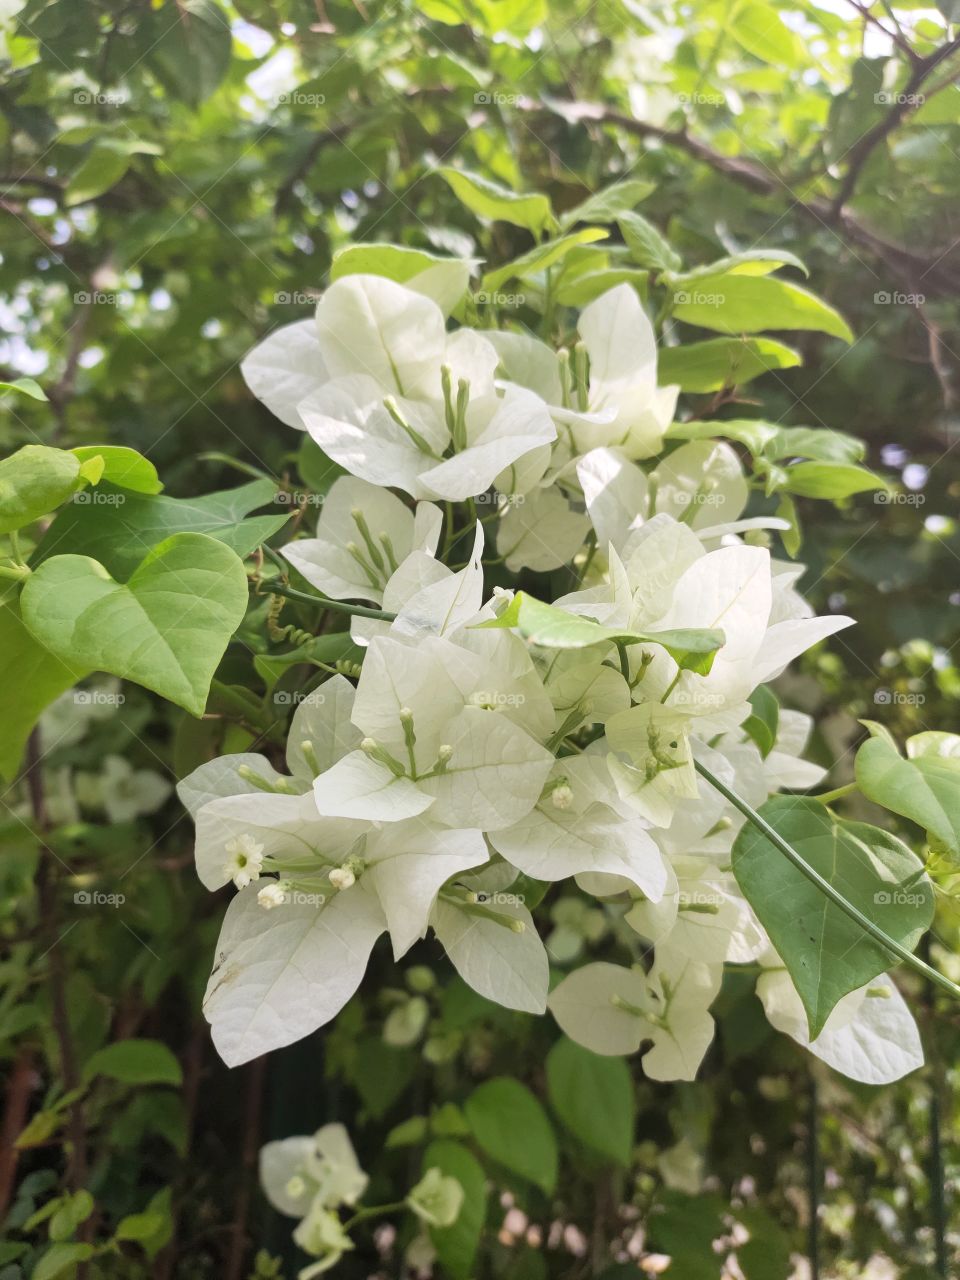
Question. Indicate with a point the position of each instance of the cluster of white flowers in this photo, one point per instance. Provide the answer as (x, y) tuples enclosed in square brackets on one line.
[(469, 758)]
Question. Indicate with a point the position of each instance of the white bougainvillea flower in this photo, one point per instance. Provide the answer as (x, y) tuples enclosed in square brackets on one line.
[(491, 940), (613, 1010), (652, 759), (604, 393), (121, 791), (870, 1036), (363, 534), (578, 827), (436, 1199), (582, 686), (298, 1172), (285, 368), (282, 973), (616, 492), (321, 1234), (432, 743), (701, 483)]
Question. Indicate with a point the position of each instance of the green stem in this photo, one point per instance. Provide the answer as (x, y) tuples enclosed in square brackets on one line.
[(372, 1212), (338, 606), (826, 888), (828, 797)]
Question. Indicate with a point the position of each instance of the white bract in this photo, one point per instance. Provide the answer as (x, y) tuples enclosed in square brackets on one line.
[(482, 752)]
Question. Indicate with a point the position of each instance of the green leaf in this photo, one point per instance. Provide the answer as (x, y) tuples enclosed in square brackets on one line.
[(101, 169), (123, 467), (34, 481), (499, 204), (59, 1257), (771, 442), (71, 1213), (925, 789), (829, 480), (578, 290), (732, 303), (135, 1062), (647, 246), (752, 262), (593, 1096), (119, 533), (543, 256), (316, 469), (167, 629), (609, 204), (26, 387), (189, 48), (456, 1246), (554, 628), (762, 32), (826, 953), (512, 1128), (31, 677), (762, 724), (408, 1133), (700, 367), (396, 262)]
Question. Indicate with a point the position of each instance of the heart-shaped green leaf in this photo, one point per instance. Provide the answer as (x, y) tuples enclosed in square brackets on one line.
[(118, 529), (925, 789), (166, 629), (826, 953)]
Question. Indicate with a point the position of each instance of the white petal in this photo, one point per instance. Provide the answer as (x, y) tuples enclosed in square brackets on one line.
[(322, 718), (358, 787), (509, 968), (616, 493), (583, 1006), (285, 368), (281, 974), (220, 777)]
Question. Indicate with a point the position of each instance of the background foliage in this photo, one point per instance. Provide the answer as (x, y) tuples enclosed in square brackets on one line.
[(177, 178)]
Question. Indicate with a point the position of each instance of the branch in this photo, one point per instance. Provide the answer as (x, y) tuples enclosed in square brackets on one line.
[(906, 103), (940, 276)]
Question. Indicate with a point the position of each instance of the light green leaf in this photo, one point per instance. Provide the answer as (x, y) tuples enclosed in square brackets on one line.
[(752, 262), (543, 256), (102, 168), (58, 1258), (762, 724), (34, 481), (647, 246), (609, 204), (578, 290), (554, 628), (829, 480), (456, 1246), (499, 204), (26, 387), (119, 533), (135, 1062), (925, 789), (512, 1128), (123, 467), (762, 32), (593, 1096), (167, 629), (731, 303), (826, 953), (700, 367)]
